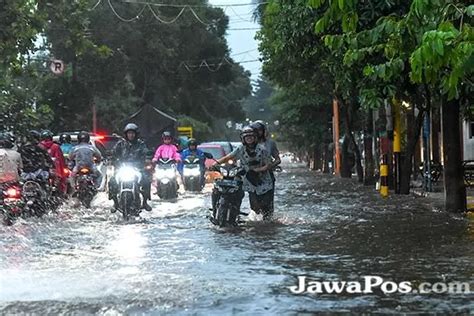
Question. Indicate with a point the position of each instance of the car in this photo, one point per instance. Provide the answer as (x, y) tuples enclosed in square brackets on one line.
[(97, 143), (228, 148), (217, 152), (109, 142)]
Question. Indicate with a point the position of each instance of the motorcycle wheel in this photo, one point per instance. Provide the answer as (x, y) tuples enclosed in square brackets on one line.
[(86, 199), (222, 210), (126, 204)]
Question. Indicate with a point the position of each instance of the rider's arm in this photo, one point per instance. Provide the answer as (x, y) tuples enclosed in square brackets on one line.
[(97, 155), (266, 162), (275, 155), (176, 155), (230, 156), (157, 155), (226, 158)]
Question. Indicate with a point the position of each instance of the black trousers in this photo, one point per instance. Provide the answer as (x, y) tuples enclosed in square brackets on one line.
[(262, 204)]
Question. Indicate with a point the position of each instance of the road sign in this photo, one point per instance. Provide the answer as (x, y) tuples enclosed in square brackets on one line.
[(57, 66), (185, 131)]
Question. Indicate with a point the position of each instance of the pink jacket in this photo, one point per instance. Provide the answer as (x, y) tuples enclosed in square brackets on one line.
[(167, 151)]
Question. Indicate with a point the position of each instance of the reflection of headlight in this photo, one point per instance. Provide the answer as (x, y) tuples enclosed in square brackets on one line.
[(224, 172), (127, 174), (191, 172), (165, 173)]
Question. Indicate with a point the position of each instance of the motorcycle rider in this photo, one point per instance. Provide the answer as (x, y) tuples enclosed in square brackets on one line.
[(84, 155), (257, 182), (35, 158), (66, 145), (10, 160), (133, 150), (269, 144), (167, 150), (54, 150), (192, 150)]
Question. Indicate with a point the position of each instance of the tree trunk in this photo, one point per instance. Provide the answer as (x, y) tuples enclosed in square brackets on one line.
[(326, 158), (348, 112), (346, 164), (454, 189), (369, 178), (407, 163), (435, 127)]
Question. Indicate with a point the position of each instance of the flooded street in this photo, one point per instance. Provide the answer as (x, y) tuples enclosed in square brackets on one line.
[(174, 261)]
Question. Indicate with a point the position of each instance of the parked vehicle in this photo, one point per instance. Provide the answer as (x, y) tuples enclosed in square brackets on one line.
[(227, 146), (216, 151)]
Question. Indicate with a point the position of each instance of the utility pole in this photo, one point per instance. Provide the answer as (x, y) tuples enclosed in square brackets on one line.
[(94, 118), (396, 145)]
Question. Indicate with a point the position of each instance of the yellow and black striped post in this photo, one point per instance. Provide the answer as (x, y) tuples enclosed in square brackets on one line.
[(384, 176)]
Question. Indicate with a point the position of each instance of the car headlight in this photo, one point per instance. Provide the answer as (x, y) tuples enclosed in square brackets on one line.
[(127, 174), (191, 172)]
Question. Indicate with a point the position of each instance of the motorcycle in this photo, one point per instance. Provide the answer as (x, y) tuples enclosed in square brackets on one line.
[(37, 195), (167, 183), (227, 209), (85, 186), (192, 176), (10, 201), (128, 179)]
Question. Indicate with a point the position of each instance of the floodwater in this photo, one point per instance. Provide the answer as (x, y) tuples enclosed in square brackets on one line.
[(174, 261)]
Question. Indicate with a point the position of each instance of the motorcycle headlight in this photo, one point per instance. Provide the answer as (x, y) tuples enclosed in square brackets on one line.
[(233, 173), (127, 174), (165, 173), (224, 172), (191, 172)]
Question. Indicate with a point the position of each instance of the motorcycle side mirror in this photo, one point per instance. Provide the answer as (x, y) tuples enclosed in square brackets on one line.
[(208, 155)]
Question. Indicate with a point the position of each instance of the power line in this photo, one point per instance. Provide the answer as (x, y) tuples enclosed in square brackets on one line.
[(195, 5), (184, 8)]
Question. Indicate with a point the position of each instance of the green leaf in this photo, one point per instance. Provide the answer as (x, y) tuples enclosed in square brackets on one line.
[(341, 4), (439, 46), (470, 10)]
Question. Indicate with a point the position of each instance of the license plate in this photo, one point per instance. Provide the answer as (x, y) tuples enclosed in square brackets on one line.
[(229, 183)]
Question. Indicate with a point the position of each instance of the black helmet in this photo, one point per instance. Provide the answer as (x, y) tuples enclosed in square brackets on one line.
[(192, 142), (247, 131), (9, 140), (131, 127), (34, 135), (46, 135), (2, 139), (259, 125), (65, 138), (83, 137), (166, 134)]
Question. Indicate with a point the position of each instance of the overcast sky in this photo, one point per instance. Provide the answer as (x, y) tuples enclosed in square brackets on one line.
[(240, 17)]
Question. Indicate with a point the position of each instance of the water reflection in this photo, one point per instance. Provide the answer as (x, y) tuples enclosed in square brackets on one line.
[(176, 262)]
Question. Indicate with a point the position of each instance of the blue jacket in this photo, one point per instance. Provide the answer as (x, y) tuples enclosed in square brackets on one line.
[(186, 153), (66, 148)]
